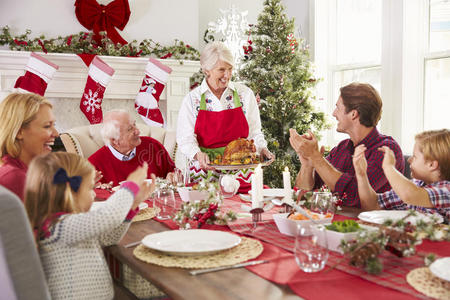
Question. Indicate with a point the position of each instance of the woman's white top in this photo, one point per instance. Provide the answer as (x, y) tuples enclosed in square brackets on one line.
[(187, 116)]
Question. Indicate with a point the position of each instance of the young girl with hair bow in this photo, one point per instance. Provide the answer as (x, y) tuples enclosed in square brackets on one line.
[(58, 196)]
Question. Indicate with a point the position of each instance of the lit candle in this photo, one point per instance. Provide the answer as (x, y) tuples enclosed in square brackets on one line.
[(257, 187), (287, 185)]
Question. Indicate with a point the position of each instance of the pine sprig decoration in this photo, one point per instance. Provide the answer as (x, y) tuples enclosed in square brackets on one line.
[(207, 211), (398, 237), (281, 73)]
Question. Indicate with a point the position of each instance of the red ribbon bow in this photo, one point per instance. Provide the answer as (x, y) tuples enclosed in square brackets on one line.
[(98, 17)]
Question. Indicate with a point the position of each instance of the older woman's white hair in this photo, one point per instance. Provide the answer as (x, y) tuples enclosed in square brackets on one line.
[(111, 127), (214, 52)]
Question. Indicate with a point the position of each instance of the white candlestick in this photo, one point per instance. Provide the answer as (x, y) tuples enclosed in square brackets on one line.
[(257, 187), (287, 185)]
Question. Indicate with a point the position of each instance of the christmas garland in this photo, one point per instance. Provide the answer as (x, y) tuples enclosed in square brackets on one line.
[(83, 42)]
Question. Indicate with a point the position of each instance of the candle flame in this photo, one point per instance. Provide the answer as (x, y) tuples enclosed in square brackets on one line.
[(286, 169)]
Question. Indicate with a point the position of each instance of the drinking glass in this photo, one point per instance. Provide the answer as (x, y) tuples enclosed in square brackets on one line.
[(165, 200), (229, 185), (311, 250), (322, 202)]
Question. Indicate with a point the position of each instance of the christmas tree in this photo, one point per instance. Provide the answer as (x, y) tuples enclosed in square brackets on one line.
[(278, 69)]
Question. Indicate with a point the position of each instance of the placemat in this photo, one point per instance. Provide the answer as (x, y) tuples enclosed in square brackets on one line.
[(146, 214), (246, 250), (425, 282)]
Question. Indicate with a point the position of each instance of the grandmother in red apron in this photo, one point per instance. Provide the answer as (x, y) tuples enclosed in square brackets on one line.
[(216, 113)]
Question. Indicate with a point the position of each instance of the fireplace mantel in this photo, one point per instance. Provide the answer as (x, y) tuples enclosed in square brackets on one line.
[(69, 80)]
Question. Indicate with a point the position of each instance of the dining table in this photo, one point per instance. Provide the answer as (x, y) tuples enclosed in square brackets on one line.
[(280, 277)]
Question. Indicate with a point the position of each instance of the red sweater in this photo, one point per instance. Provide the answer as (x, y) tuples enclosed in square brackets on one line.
[(13, 173), (150, 151)]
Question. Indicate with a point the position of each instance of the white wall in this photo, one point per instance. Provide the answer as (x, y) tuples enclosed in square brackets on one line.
[(162, 21), (299, 10)]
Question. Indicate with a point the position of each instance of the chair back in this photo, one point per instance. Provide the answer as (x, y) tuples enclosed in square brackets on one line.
[(19, 249), (407, 171)]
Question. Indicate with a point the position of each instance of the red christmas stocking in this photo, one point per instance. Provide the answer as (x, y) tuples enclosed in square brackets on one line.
[(98, 78), (38, 72), (147, 100)]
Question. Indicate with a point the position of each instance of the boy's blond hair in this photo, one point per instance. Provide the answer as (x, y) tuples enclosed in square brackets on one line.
[(17, 110), (43, 198), (435, 145)]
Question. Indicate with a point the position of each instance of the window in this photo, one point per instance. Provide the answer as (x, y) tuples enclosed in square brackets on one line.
[(437, 67), (402, 48), (353, 35)]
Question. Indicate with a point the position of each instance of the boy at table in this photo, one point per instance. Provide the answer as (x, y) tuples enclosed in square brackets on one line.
[(428, 192)]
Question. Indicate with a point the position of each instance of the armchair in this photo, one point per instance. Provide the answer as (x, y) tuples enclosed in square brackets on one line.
[(85, 140)]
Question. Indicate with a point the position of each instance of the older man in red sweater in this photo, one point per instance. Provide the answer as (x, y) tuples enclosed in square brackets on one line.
[(125, 150)]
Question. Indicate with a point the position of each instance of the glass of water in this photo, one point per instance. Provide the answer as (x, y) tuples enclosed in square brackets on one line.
[(322, 202), (311, 251), (165, 200)]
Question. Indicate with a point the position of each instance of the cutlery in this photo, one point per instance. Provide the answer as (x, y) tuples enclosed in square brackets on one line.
[(249, 263), (132, 244)]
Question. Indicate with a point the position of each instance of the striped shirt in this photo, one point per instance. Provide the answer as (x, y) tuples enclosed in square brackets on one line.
[(439, 193), (341, 158)]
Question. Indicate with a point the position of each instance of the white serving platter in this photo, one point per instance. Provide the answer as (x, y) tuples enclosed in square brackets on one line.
[(379, 216), (191, 242)]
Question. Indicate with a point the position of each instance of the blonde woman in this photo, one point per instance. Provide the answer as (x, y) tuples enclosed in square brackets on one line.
[(27, 130)]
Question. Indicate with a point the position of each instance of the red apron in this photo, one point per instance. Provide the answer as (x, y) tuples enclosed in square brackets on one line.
[(214, 130)]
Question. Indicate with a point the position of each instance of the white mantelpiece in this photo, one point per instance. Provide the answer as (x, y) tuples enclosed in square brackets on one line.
[(66, 87)]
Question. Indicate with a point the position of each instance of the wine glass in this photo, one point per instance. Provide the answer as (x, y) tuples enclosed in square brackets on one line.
[(322, 202), (165, 200), (311, 248)]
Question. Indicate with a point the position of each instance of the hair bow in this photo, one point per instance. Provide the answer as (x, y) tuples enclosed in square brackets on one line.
[(61, 177)]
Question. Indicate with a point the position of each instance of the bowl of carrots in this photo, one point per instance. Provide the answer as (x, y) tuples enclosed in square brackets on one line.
[(287, 222)]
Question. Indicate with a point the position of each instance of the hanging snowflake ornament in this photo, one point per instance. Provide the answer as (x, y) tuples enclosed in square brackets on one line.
[(232, 25)]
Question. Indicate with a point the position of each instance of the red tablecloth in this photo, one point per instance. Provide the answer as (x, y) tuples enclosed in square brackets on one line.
[(344, 282)]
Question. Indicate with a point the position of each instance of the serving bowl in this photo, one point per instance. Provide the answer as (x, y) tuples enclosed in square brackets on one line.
[(289, 227), (187, 194), (334, 238)]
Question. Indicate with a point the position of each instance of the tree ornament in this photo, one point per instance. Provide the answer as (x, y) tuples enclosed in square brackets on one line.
[(98, 17), (292, 42)]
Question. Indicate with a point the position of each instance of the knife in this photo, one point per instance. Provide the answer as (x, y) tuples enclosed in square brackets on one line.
[(249, 263)]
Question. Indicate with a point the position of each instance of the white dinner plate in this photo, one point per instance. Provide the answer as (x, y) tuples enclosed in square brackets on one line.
[(272, 193), (379, 216), (98, 204), (441, 268), (117, 187), (191, 242)]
